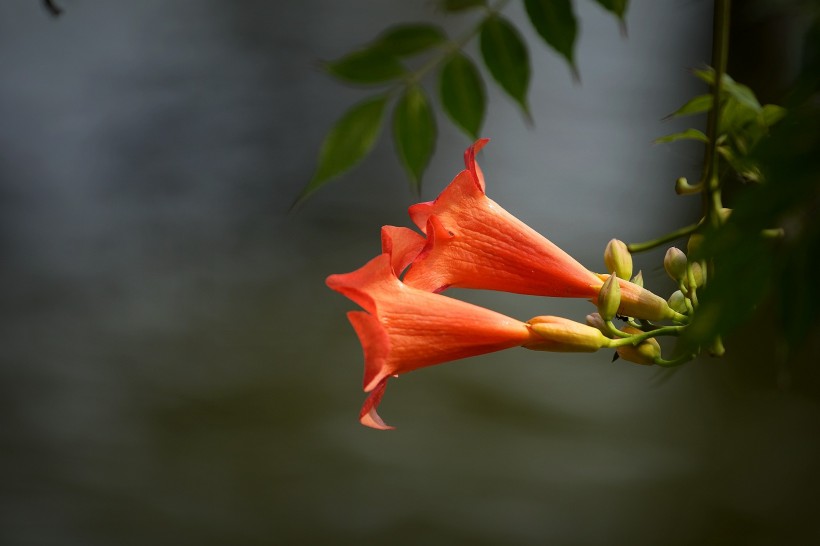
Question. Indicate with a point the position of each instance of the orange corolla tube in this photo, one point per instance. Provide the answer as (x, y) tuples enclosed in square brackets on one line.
[(472, 242), (402, 328)]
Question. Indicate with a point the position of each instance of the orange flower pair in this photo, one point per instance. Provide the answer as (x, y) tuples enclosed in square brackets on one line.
[(468, 241)]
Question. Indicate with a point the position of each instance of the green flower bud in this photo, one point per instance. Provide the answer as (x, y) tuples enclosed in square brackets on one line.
[(638, 279), (677, 302), (675, 263), (618, 260), (682, 186), (609, 298), (694, 242), (644, 353), (698, 273), (724, 214), (639, 302)]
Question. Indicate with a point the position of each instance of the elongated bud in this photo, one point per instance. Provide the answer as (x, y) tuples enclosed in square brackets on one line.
[(638, 302), (609, 298), (675, 263), (694, 242), (638, 279), (618, 260), (644, 353), (698, 274), (677, 302), (565, 336)]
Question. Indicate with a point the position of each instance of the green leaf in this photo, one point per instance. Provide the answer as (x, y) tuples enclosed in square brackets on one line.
[(461, 90), (347, 143), (406, 40), (735, 117), (742, 94), (366, 66), (414, 132), (747, 265), (707, 75), (740, 164), (453, 6), (744, 270), (618, 7), (689, 134), (738, 91), (555, 22), (506, 56), (771, 114), (697, 105)]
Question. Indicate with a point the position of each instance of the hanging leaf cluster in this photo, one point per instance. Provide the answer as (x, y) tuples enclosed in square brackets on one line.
[(460, 86), (743, 123)]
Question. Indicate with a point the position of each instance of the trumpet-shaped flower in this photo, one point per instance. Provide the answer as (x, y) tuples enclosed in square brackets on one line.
[(472, 242), (404, 328)]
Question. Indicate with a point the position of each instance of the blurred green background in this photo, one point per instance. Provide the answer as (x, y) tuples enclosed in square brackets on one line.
[(174, 370)]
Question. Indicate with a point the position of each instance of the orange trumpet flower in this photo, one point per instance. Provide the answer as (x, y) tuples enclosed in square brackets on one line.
[(403, 328), (472, 242)]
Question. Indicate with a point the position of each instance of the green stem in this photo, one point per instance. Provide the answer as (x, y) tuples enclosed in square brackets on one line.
[(663, 239), (692, 287), (683, 359), (612, 329), (637, 338), (720, 55), (453, 46)]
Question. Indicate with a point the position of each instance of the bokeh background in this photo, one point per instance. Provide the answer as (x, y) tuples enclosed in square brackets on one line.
[(174, 370)]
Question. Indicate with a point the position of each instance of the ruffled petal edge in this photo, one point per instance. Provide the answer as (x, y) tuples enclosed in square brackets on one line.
[(368, 415), (375, 346), (403, 245)]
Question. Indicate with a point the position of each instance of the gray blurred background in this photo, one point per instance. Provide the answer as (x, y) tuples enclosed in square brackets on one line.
[(174, 370)]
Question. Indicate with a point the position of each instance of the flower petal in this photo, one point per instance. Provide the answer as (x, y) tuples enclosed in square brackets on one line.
[(357, 284), (368, 415), (375, 345), (463, 189), (403, 244), (486, 247), (470, 162)]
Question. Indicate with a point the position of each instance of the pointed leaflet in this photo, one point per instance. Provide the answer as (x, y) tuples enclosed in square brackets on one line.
[(462, 93), (738, 91), (555, 22), (618, 7), (348, 142), (406, 40), (506, 57), (771, 114), (367, 66), (696, 105), (688, 134), (414, 132)]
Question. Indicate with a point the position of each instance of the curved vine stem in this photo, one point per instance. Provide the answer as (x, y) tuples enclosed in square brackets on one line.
[(720, 54), (637, 338), (453, 46), (663, 239)]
